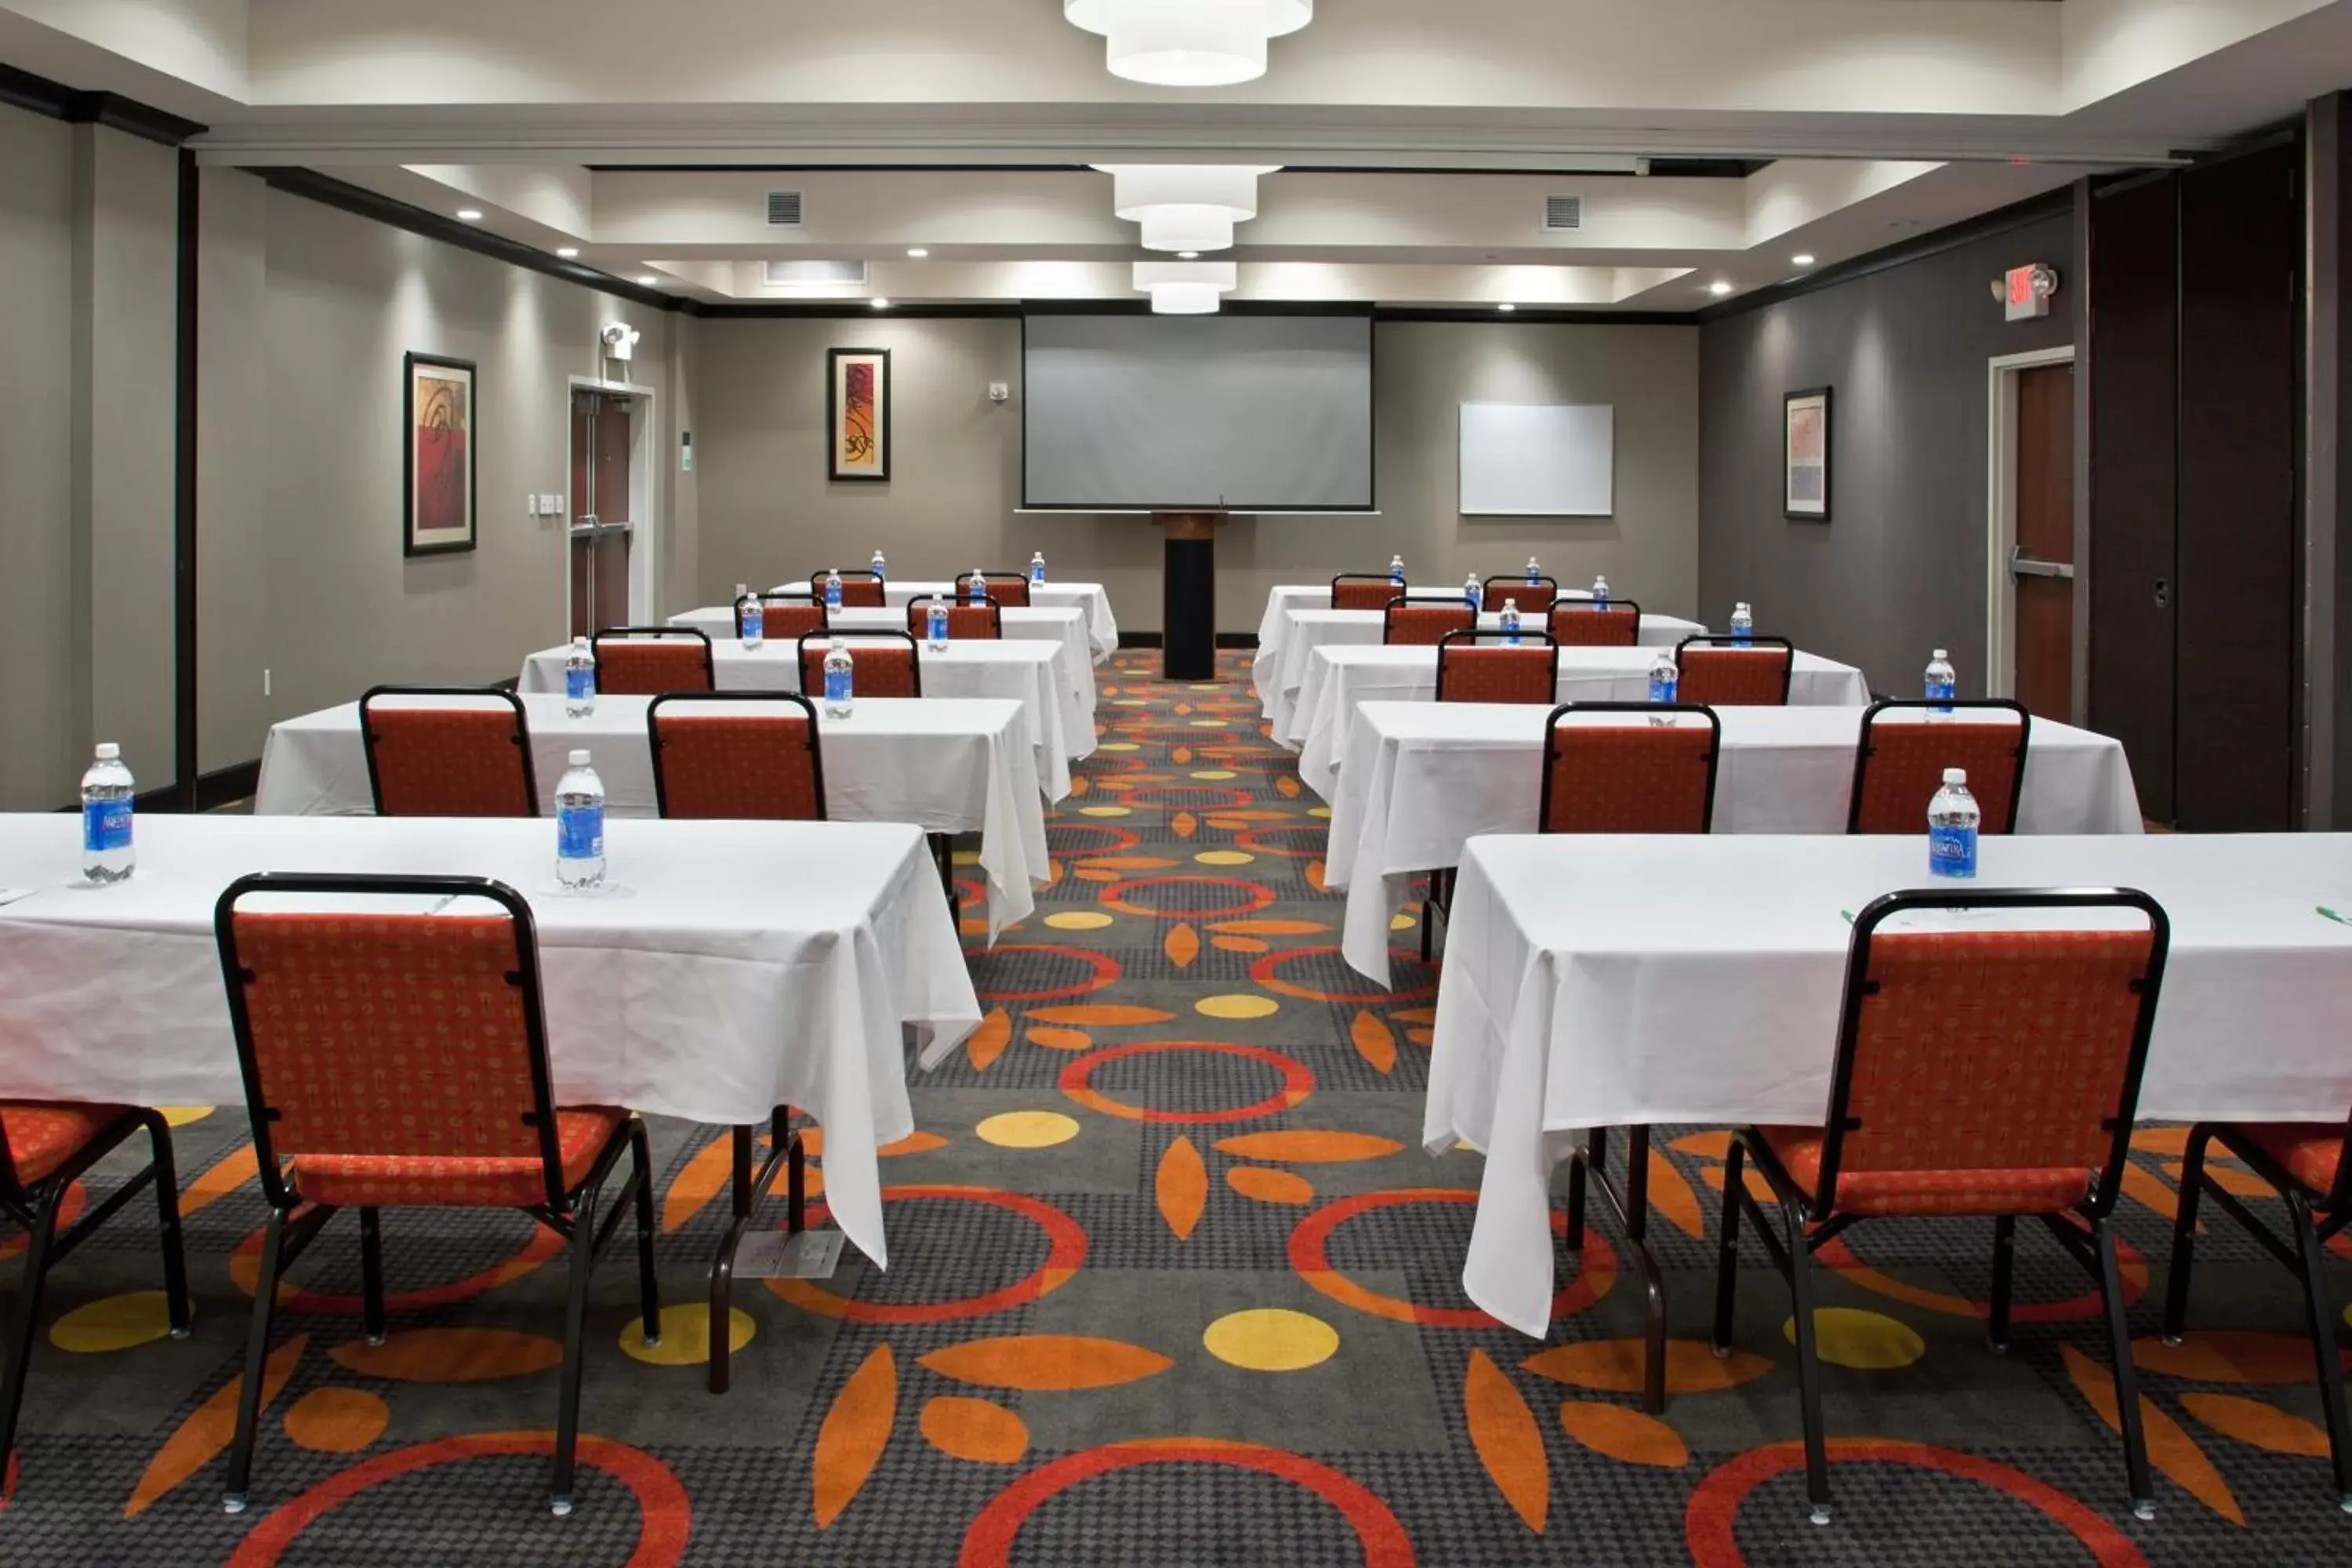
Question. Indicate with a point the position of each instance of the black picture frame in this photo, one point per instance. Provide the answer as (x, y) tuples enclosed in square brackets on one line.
[(417, 490), (1808, 476), (839, 436)]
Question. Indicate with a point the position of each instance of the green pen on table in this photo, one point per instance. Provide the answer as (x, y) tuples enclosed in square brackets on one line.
[(2330, 914)]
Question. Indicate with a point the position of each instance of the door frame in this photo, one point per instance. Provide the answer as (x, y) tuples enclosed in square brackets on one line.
[(645, 517), (2002, 372)]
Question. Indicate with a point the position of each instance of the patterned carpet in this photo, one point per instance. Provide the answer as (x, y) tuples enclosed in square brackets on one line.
[(1176, 1287)]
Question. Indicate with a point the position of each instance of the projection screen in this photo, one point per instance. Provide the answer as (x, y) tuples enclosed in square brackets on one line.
[(1176, 413)]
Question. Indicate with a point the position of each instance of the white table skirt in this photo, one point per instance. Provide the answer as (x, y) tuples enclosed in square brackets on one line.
[(1602, 981), (1422, 778), (1025, 670), (1341, 679), (732, 967), (946, 766), (1092, 598)]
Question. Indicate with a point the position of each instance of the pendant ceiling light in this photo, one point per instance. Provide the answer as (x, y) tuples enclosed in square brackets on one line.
[(1185, 207), (1188, 42), (1185, 288)]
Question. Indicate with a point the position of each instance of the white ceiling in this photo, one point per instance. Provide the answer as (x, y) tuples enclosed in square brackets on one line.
[(1419, 140)]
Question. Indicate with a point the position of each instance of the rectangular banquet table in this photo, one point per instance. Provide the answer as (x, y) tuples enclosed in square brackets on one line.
[(947, 765), (1021, 669), (1596, 982), (730, 967), (1341, 679), (1422, 778), (1090, 599)]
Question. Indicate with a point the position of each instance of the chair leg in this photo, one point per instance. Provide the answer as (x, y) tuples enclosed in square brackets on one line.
[(2184, 1234), (2004, 1274), (167, 1227), (1809, 1364), (1587, 1164), (1428, 914), (795, 1183), (2322, 1347), (24, 1323), (256, 1358), (723, 1268), (575, 1334), (372, 1274), (1727, 1248), (2111, 1287), (649, 1289)]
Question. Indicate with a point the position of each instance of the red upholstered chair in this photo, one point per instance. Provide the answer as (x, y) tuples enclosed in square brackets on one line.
[(438, 757), (645, 661), (1534, 598), (965, 621), (1469, 670), (1010, 589), (1718, 673), (1417, 623), (1629, 775), (1990, 1073), (1899, 766), (882, 664), (1362, 591), (860, 590), (787, 618), (738, 763), (2309, 1165), (45, 1148), (1578, 622), (399, 1060)]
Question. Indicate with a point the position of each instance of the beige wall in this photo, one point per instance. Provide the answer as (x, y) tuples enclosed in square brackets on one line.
[(769, 513), (306, 312)]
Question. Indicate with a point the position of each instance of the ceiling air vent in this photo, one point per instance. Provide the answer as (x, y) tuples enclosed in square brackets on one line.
[(814, 274), (1562, 213), (784, 209)]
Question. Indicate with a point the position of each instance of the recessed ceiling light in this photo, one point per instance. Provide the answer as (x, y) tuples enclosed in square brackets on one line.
[(1802, 259), (567, 251), (880, 303), (1718, 287), (1506, 305), (647, 278), (917, 252), (1188, 256), (469, 215)]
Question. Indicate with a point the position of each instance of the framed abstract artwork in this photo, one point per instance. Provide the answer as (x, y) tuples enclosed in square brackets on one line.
[(857, 413), (438, 439), (1805, 455)]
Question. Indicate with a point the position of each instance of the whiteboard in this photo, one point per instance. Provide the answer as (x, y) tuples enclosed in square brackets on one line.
[(1536, 460)]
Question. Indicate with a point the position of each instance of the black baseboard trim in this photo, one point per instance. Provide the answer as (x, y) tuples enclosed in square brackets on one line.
[(213, 791), (1153, 640)]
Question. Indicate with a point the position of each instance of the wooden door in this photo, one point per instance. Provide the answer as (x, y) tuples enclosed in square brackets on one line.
[(601, 446), (2044, 566)]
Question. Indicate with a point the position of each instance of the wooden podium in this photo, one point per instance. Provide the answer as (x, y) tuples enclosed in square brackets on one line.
[(1188, 589)]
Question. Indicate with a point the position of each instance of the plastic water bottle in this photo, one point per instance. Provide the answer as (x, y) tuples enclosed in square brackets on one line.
[(580, 825), (939, 627), (579, 680), (881, 567), (1940, 680), (1535, 573), (1473, 593), (1396, 573), (1511, 622), (106, 792), (1037, 568), (833, 590), (751, 620), (979, 586), (1743, 624), (1952, 818), (1600, 593), (840, 671), (1664, 678)]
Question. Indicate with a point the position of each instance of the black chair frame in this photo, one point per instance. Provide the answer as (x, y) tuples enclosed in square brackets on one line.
[(1537, 638), (1429, 601), (816, 581), (799, 649), (648, 634), (572, 1215), (1497, 589), (1809, 1219), (1863, 749), (1588, 608), (963, 581), (688, 698), (1724, 639), (488, 694), (923, 602)]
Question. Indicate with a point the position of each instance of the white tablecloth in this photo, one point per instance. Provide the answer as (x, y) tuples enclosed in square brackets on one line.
[(1341, 679), (732, 967), (947, 765), (1022, 669), (1599, 982), (1422, 778), (1091, 598)]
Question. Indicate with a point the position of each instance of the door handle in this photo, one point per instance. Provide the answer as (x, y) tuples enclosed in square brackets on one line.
[(2024, 566), (2163, 594)]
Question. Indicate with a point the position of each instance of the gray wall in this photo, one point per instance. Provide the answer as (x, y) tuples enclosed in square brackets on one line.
[(769, 513), (1900, 567)]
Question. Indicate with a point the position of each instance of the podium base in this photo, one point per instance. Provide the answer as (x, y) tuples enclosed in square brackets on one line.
[(1188, 605)]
